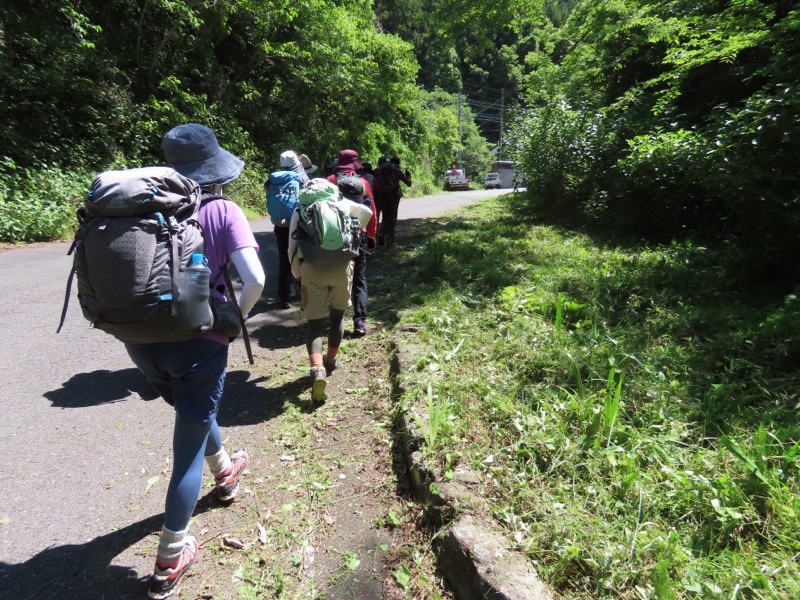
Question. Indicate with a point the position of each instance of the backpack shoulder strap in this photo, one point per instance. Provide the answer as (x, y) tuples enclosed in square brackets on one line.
[(245, 334), (210, 196), (68, 292)]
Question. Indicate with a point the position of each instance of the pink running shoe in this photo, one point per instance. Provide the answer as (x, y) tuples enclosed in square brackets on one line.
[(228, 485)]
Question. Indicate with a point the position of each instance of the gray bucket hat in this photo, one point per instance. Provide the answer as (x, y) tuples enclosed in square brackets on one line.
[(289, 159), (193, 151), (307, 164)]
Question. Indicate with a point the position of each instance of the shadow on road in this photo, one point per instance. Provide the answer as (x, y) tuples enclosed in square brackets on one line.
[(80, 570), (244, 402), (100, 387), (84, 571), (282, 329)]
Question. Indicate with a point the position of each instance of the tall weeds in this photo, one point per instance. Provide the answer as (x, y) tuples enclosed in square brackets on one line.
[(639, 409)]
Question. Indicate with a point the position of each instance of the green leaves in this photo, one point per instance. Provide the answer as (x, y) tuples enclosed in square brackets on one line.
[(403, 576), (651, 453), (670, 119), (436, 418), (151, 482), (351, 561), (296, 74), (38, 205), (455, 14)]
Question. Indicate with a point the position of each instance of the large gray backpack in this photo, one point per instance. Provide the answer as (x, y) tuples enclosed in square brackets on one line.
[(137, 232)]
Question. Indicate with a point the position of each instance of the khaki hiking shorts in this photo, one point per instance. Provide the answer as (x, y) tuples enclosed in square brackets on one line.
[(318, 287)]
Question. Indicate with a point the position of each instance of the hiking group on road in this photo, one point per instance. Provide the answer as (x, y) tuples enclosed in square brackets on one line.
[(151, 259)]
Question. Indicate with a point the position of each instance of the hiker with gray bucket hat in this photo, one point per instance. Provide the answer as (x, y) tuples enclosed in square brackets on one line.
[(190, 375)]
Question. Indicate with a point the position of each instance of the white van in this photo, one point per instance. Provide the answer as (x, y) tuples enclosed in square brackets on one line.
[(492, 180)]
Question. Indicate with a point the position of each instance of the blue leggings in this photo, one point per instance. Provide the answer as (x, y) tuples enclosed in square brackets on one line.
[(191, 442), (191, 377)]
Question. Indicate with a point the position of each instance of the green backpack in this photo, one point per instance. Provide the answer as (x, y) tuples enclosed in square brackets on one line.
[(326, 234)]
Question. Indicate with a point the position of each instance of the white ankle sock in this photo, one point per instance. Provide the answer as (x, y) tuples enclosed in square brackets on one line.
[(171, 544), (219, 462)]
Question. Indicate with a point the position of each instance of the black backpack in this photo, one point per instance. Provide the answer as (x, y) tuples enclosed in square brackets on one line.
[(387, 179), (352, 188), (138, 230)]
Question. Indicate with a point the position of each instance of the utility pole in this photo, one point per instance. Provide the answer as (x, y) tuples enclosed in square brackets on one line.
[(500, 142), (459, 129)]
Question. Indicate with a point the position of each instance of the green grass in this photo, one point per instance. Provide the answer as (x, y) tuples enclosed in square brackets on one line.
[(41, 204), (38, 205), (638, 405)]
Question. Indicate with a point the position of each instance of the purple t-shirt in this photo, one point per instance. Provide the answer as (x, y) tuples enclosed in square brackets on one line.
[(225, 229)]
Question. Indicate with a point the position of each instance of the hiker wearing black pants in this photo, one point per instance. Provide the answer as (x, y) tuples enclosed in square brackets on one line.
[(387, 196), (359, 293), (356, 187), (280, 215)]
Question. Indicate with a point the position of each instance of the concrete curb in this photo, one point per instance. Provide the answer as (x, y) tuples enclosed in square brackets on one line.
[(474, 555)]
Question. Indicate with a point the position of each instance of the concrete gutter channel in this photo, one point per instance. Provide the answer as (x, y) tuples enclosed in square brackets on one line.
[(474, 555)]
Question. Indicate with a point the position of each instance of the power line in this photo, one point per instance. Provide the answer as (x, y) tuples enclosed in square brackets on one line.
[(482, 104), (475, 87)]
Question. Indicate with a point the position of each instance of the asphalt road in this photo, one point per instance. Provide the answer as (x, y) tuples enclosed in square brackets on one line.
[(84, 438)]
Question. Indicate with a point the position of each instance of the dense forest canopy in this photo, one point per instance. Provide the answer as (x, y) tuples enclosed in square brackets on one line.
[(92, 85), (656, 119), (268, 75), (673, 119)]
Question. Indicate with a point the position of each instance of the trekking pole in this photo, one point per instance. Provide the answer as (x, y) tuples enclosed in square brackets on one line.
[(245, 335)]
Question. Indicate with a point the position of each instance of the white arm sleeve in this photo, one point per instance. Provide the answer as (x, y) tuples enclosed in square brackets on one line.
[(252, 273), (359, 211)]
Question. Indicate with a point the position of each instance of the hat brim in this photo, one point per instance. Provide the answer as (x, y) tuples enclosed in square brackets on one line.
[(219, 169), (349, 166), (306, 162)]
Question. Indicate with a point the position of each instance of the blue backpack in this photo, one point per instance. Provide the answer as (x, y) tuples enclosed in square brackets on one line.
[(282, 188)]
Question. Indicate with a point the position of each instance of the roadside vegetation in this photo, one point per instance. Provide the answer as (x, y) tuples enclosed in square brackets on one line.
[(628, 391), (94, 85), (632, 409), (660, 120), (671, 120)]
